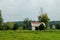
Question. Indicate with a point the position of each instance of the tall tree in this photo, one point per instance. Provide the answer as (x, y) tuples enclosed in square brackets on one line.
[(43, 18), (1, 20)]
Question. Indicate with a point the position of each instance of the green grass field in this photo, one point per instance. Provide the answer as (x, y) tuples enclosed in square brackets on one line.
[(29, 35)]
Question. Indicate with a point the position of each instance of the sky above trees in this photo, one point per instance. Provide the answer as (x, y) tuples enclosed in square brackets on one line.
[(17, 10)]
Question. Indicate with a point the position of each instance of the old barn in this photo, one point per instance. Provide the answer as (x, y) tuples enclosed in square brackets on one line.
[(37, 25)]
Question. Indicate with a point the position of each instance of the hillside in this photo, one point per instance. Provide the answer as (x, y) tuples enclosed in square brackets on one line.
[(54, 22)]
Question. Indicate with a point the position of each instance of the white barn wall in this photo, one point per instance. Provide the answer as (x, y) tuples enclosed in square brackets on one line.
[(33, 28)]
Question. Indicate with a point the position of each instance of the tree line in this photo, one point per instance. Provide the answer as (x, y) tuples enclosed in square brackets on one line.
[(26, 23)]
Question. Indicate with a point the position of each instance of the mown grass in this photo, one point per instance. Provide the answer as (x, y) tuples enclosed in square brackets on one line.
[(29, 35)]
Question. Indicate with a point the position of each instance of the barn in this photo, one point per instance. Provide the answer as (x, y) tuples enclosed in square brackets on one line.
[(36, 25)]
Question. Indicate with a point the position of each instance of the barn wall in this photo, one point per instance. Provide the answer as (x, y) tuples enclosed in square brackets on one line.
[(33, 28)]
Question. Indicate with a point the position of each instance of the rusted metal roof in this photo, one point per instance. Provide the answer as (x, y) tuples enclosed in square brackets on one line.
[(36, 23)]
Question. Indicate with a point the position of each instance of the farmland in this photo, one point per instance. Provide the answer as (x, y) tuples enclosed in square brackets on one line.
[(29, 35)]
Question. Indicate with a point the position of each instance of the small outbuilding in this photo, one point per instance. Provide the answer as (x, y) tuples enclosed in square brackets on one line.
[(36, 25)]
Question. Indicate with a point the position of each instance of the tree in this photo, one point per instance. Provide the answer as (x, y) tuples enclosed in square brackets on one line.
[(41, 27), (15, 27), (10, 24), (5, 27), (1, 20), (44, 18), (26, 24), (57, 26)]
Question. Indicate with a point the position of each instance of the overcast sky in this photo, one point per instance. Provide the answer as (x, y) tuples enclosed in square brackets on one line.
[(17, 10)]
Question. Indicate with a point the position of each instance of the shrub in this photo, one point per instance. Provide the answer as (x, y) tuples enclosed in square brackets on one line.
[(41, 27), (15, 27)]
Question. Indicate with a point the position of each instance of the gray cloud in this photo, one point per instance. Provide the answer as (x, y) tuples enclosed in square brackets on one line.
[(16, 10)]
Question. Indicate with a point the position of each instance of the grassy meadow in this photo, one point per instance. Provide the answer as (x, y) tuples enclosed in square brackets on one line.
[(29, 35)]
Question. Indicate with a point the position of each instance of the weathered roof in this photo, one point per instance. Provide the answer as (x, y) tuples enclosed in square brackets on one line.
[(36, 24)]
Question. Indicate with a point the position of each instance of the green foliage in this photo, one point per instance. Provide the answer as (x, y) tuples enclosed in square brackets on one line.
[(57, 26), (44, 18), (1, 20), (41, 27), (5, 27), (26, 24), (10, 24), (15, 27), (20, 28)]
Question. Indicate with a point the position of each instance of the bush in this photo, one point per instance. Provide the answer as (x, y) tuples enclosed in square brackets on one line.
[(15, 27), (41, 27), (57, 26), (20, 28), (6, 27)]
